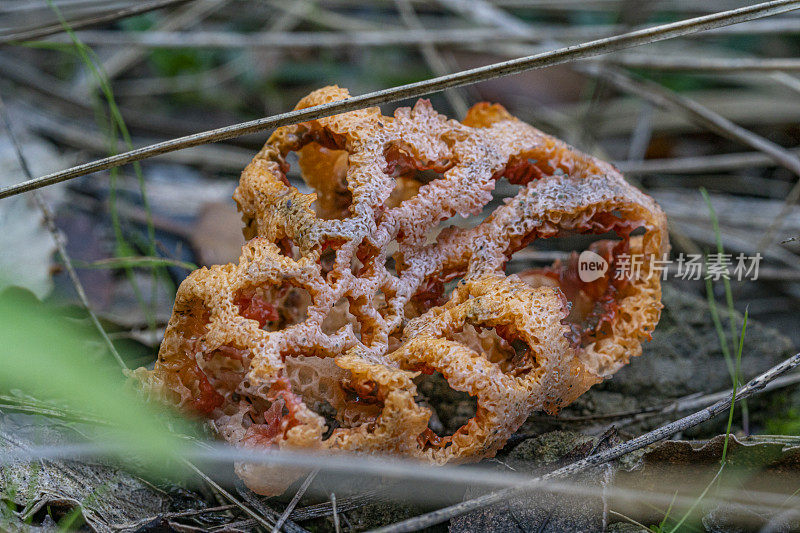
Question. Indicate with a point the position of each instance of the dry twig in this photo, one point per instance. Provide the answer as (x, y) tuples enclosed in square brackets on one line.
[(754, 386), (230, 497), (337, 527), (293, 503)]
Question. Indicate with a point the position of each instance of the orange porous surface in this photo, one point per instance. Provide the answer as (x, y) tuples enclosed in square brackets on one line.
[(345, 298)]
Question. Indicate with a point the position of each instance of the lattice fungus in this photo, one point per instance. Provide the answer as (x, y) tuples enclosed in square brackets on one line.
[(344, 299)]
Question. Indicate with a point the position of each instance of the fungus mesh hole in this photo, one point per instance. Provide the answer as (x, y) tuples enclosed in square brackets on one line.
[(452, 408), (316, 381), (500, 346), (325, 170), (332, 392), (405, 188), (273, 307), (340, 317), (593, 295)]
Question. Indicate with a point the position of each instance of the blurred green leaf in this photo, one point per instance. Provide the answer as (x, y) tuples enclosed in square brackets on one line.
[(55, 360)]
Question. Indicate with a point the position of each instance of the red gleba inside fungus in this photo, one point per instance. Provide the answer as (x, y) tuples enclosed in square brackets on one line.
[(256, 308), (340, 300), (208, 398)]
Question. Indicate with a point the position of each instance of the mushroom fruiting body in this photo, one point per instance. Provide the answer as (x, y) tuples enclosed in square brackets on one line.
[(343, 298)]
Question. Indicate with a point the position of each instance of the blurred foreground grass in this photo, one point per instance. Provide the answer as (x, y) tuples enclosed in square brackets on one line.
[(63, 364)]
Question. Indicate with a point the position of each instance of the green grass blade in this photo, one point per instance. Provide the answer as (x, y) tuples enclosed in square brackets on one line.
[(663, 522), (136, 262), (728, 301), (691, 509), (723, 342), (721, 250), (117, 125), (735, 387)]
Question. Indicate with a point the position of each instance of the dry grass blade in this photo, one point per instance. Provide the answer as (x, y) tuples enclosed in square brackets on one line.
[(754, 386), (58, 238), (704, 64), (219, 39), (791, 199), (434, 59), (51, 29), (293, 503), (482, 11), (139, 524), (698, 164), (312, 12), (787, 80), (269, 514), (192, 13), (698, 113), (566, 5), (257, 517), (413, 90), (319, 510), (661, 96), (336, 525)]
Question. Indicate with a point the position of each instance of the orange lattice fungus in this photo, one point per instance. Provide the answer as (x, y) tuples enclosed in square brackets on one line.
[(344, 299)]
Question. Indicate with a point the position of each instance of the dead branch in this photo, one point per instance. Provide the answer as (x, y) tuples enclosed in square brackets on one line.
[(753, 387)]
